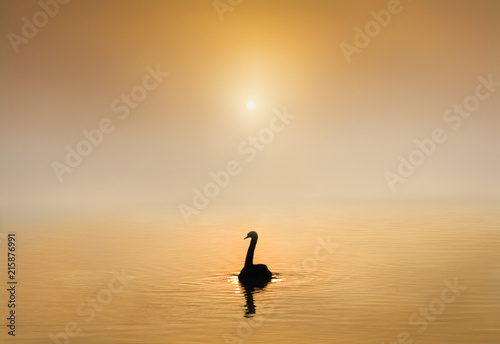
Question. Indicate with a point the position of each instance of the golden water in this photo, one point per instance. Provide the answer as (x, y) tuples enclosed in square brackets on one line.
[(383, 266)]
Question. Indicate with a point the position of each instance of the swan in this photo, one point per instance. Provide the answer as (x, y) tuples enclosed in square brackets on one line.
[(254, 275)]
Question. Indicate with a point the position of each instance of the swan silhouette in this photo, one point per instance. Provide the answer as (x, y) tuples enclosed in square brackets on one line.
[(254, 275)]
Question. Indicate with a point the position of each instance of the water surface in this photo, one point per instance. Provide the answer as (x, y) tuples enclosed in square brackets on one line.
[(377, 269)]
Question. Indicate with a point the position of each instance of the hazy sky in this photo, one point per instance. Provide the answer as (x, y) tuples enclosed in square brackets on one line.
[(355, 114)]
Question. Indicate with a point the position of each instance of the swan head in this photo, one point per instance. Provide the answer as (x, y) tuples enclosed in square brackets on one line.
[(252, 235)]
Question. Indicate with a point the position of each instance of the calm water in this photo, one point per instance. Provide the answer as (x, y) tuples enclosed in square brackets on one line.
[(342, 276)]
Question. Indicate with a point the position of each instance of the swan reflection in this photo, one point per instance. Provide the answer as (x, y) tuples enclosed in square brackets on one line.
[(250, 305), (249, 292)]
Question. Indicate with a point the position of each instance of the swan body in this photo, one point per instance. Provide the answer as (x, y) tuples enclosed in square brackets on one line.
[(257, 275)]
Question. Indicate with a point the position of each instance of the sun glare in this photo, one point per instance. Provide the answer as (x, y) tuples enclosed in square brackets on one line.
[(251, 105)]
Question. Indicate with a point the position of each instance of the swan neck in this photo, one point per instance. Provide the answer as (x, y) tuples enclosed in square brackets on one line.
[(251, 249)]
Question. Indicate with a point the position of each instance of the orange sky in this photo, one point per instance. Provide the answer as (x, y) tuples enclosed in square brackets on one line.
[(352, 119)]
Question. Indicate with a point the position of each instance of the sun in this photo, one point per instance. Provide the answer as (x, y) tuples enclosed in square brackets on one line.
[(251, 105)]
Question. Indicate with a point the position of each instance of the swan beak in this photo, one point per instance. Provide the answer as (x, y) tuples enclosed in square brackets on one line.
[(248, 236)]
